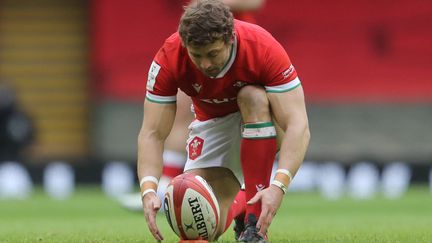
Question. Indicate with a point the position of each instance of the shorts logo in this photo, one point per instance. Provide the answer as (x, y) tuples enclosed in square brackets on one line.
[(195, 147)]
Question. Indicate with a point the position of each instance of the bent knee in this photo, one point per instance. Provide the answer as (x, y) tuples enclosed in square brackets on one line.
[(251, 95), (253, 104)]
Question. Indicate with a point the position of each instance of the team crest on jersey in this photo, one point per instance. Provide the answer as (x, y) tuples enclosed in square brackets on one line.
[(288, 72), (195, 147)]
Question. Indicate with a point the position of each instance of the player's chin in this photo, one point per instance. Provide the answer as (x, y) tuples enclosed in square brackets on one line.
[(212, 73)]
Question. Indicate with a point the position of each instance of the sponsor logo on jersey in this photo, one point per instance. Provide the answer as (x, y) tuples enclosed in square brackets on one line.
[(197, 87), (239, 84), (288, 72), (195, 147), (219, 101), (153, 73)]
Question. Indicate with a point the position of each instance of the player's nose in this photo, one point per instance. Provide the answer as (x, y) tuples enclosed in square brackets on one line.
[(205, 64)]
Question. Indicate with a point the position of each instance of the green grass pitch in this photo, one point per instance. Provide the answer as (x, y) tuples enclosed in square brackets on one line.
[(89, 216)]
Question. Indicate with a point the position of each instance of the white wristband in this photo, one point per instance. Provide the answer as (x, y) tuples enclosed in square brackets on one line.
[(285, 172), (280, 185), (148, 178), (147, 191)]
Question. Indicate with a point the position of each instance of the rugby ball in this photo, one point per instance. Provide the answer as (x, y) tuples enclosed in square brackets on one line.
[(191, 208)]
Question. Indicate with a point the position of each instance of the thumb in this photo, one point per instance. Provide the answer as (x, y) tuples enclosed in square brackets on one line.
[(157, 205), (254, 199)]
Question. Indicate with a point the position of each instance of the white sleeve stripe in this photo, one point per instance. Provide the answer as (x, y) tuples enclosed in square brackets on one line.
[(284, 87), (161, 99)]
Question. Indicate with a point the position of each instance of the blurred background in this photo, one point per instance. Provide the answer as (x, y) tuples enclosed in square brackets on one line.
[(73, 74)]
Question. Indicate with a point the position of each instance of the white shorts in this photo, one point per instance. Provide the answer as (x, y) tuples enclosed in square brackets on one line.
[(215, 143)]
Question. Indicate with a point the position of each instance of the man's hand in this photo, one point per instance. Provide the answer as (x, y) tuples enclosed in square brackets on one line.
[(151, 205), (271, 199)]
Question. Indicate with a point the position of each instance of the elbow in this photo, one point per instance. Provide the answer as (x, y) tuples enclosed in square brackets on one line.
[(140, 137), (150, 136), (307, 134)]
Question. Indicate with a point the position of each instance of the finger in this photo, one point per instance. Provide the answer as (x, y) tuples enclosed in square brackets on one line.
[(254, 199), (154, 229), (151, 222), (262, 217), (265, 223), (264, 226), (159, 236), (157, 205)]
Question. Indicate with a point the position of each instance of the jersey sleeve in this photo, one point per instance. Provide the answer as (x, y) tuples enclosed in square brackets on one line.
[(161, 85), (279, 75)]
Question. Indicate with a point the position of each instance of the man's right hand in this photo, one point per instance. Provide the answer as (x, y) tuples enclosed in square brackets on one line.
[(151, 205)]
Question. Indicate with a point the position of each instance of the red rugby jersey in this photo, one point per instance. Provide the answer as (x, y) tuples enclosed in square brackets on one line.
[(256, 58)]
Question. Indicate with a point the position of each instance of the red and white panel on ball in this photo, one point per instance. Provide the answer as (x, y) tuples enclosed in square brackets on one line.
[(191, 208), (210, 192), (168, 205)]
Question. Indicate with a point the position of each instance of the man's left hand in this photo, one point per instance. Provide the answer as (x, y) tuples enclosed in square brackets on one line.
[(271, 199)]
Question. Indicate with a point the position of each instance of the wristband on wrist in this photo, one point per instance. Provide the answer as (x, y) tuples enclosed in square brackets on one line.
[(284, 179), (149, 179), (148, 184), (285, 172), (280, 185), (145, 192)]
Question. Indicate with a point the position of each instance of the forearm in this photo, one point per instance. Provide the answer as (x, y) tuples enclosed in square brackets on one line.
[(150, 151), (157, 124), (293, 148)]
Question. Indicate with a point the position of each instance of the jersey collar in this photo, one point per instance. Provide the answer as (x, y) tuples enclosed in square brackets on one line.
[(230, 60)]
